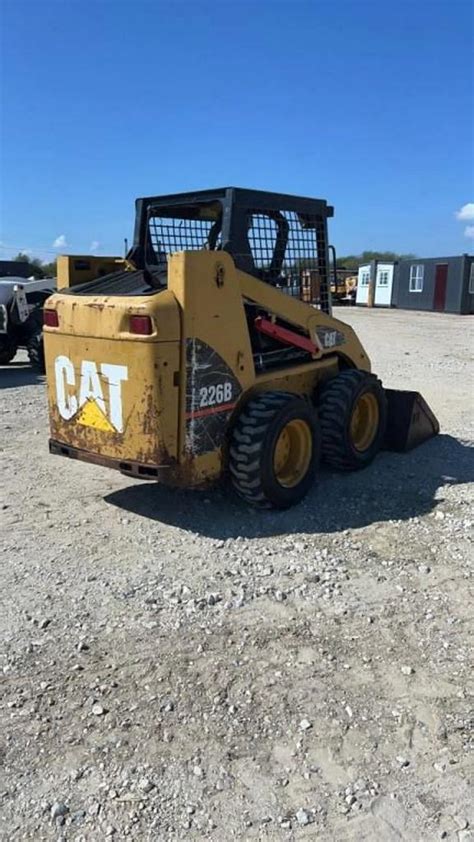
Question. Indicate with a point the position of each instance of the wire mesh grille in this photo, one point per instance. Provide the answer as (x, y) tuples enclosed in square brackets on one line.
[(286, 249), (285, 252), (169, 235), (262, 237)]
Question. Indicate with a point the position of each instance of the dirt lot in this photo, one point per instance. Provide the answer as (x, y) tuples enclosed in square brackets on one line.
[(176, 666)]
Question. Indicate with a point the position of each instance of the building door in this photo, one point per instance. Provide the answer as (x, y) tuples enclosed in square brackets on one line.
[(441, 280), (363, 282), (383, 285)]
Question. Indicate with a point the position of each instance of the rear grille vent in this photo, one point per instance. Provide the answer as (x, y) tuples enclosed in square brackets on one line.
[(121, 283)]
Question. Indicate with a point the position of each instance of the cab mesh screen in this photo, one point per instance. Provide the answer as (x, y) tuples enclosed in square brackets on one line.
[(288, 252), (169, 235)]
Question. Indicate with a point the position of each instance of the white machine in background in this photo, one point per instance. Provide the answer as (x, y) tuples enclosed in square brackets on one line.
[(21, 317)]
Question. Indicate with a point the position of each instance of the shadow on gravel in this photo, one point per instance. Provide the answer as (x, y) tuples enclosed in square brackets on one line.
[(395, 487), (19, 374)]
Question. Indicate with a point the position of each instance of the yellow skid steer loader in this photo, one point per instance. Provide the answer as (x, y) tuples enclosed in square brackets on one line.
[(211, 351)]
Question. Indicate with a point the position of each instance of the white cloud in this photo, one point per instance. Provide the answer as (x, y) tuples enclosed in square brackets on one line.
[(95, 246), (60, 242), (466, 213), (469, 231)]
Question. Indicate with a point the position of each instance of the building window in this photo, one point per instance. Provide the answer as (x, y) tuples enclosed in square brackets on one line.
[(416, 277), (471, 279), (365, 279), (383, 278)]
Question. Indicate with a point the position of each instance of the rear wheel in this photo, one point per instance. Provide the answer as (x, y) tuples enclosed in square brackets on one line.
[(353, 417), (35, 348), (274, 451), (8, 350)]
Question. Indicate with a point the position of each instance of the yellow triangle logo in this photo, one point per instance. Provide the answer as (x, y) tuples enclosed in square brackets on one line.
[(90, 415)]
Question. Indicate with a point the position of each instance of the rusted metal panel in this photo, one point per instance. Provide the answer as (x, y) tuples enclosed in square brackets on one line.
[(143, 470), (113, 397), (79, 268)]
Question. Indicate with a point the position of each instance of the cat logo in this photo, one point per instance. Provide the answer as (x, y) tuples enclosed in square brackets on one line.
[(91, 408)]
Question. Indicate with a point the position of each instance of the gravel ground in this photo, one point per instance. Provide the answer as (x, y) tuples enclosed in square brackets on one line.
[(176, 666)]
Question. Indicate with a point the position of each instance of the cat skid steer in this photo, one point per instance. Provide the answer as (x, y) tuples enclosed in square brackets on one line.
[(211, 351)]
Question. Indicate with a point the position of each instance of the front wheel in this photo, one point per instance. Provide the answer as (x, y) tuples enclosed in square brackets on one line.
[(274, 450), (353, 415)]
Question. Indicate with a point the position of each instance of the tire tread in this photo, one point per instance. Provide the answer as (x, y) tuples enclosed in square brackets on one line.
[(335, 407), (247, 443)]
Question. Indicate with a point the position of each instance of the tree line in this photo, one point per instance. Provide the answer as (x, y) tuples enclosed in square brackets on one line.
[(353, 261), (40, 269)]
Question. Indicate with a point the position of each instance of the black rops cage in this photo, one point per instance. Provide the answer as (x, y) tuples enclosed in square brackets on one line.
[(277, 238)]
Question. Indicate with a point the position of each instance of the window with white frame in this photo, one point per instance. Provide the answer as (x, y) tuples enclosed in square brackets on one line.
[(365, 278), (471, 279), (383, 278), (417, 272)]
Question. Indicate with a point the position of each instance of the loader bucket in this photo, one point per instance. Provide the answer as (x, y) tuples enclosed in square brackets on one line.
[(410, 420)]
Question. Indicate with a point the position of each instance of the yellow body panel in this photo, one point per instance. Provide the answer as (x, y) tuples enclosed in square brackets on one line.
[(300, 379), (107, 317), (86, 325), (149, 431), (210, 300), (80, 268), (170, 420)]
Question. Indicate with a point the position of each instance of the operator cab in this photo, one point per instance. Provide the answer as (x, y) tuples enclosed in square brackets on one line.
[(279, 239)]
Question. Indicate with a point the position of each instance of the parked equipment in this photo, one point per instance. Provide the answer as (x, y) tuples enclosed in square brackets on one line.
[(343, 286), (21, 318), (212, 352)]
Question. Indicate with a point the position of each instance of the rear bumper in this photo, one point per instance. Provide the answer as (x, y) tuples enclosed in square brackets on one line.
[(134, 469)]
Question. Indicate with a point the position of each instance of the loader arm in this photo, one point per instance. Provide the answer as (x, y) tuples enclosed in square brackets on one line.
[(329, 335)]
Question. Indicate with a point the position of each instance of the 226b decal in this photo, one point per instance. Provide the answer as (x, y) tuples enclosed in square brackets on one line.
[(215, 394), (212, 391)]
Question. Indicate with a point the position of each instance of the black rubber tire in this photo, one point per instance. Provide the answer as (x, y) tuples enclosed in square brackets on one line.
[(335, 404), (35, 348), (7, 352), (252, 446)]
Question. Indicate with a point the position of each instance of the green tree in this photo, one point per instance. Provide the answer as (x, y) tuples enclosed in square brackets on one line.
[(353, 261), (49, 269), (38, 268)]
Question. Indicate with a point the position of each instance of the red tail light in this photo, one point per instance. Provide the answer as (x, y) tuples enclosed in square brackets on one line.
[(50, 318), (141, 325)]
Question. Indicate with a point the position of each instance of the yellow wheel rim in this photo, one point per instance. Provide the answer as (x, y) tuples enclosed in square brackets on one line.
[(292, 454), (364, 421)]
